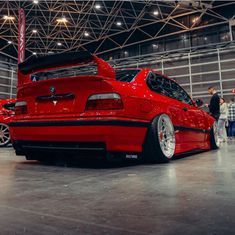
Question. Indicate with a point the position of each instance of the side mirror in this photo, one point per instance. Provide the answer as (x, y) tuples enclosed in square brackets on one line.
[(199, 102)]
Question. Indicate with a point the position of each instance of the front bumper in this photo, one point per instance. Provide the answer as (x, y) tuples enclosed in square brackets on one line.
[(120, 135)]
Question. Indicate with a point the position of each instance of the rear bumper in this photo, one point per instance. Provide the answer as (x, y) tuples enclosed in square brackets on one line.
[(114, 135)]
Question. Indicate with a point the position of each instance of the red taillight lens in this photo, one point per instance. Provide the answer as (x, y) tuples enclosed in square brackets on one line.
[(108, 101), (3, 113), (21, 108)]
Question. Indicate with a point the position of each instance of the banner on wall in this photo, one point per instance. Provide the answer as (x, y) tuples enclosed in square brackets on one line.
[(21, 36)]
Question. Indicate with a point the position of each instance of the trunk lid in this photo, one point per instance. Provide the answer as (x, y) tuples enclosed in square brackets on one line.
[(62, 96), (60, 85)]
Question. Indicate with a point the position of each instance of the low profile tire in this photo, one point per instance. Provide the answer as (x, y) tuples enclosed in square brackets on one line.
[(4, 135), (214, 137), (160, 140)]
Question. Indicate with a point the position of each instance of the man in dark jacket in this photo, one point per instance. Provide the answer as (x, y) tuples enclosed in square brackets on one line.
[(214, 105)]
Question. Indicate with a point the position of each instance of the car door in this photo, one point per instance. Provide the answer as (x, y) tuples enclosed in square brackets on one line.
[(194, 118), (161, 85)]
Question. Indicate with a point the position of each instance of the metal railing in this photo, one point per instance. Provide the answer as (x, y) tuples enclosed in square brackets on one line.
[(194, 71)]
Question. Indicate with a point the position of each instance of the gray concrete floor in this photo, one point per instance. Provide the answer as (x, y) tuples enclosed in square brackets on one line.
[(191, 195)]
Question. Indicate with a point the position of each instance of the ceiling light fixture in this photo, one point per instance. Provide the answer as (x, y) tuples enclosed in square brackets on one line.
[(9, 42), (195, 19), (62, 20), (34, 53), (156, 13), (35, 1), (8, 17), (34, 31), (59, 44), (86, 34), (97, 6), (119, 23)]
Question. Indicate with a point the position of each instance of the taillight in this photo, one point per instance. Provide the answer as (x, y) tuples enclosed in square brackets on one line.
[(3, 113), (106, 101), (21, 107)]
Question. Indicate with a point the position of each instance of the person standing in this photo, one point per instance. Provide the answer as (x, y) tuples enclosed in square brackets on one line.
[(214, 106), (222, 120), (231, 119)]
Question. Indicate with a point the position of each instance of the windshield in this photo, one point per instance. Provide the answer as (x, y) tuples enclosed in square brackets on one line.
[(85, 70), (72, 71)]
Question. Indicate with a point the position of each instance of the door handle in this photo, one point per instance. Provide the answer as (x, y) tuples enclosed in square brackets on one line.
[(185, 109)]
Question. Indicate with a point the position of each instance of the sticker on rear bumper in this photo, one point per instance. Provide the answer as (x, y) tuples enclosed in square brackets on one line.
[(131, 156)]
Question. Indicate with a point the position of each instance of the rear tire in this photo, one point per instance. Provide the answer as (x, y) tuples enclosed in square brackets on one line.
[(214, 138), (160, 140), (4, 135)]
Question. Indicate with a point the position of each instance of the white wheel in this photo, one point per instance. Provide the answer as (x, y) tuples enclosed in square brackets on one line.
[(166, 136), (4, 135), (160, 140)]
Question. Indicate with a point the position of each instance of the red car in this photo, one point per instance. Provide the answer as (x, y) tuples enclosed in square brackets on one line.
[(6, 115), (76, 102)]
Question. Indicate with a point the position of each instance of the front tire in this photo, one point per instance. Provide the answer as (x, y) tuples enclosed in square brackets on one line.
[(4, 135), (160, 141)]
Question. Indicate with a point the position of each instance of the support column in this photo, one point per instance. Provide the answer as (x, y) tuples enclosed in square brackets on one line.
[(220, 75)]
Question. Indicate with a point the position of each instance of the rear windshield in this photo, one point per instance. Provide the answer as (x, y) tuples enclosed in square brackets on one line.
[(9, 106), (126, 75), (78, 70)]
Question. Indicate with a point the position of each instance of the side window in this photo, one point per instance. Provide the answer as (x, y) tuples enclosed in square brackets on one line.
[(159, 84), (155, 83), (180, 94), (166, 87)]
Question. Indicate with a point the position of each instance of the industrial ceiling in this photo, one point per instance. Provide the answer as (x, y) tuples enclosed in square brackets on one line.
[(104, 26)]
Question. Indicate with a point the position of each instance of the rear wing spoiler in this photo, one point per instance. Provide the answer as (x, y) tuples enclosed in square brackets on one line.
[(62, 60)]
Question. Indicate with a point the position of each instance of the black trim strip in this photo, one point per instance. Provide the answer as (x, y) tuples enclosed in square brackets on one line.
[(82, 123), (182, 128), (56, 97), (99, 123)]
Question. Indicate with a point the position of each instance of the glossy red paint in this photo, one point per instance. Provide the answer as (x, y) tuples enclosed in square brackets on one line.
[(6, 116), (122, 130)]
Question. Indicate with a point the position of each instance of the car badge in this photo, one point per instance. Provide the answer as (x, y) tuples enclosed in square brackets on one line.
[(52, 90)]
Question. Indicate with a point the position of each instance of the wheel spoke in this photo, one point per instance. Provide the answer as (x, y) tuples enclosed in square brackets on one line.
[(166, 136), (4, 134)]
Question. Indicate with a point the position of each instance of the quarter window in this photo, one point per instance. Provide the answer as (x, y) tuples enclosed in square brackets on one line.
[(126, 75)]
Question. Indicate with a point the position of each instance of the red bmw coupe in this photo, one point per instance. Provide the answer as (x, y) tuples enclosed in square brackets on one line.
[(76, 102), (6, 115)]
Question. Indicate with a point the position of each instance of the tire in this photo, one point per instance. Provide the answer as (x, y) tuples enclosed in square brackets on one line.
[(160, 141), (214, 139), (4, 135)]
